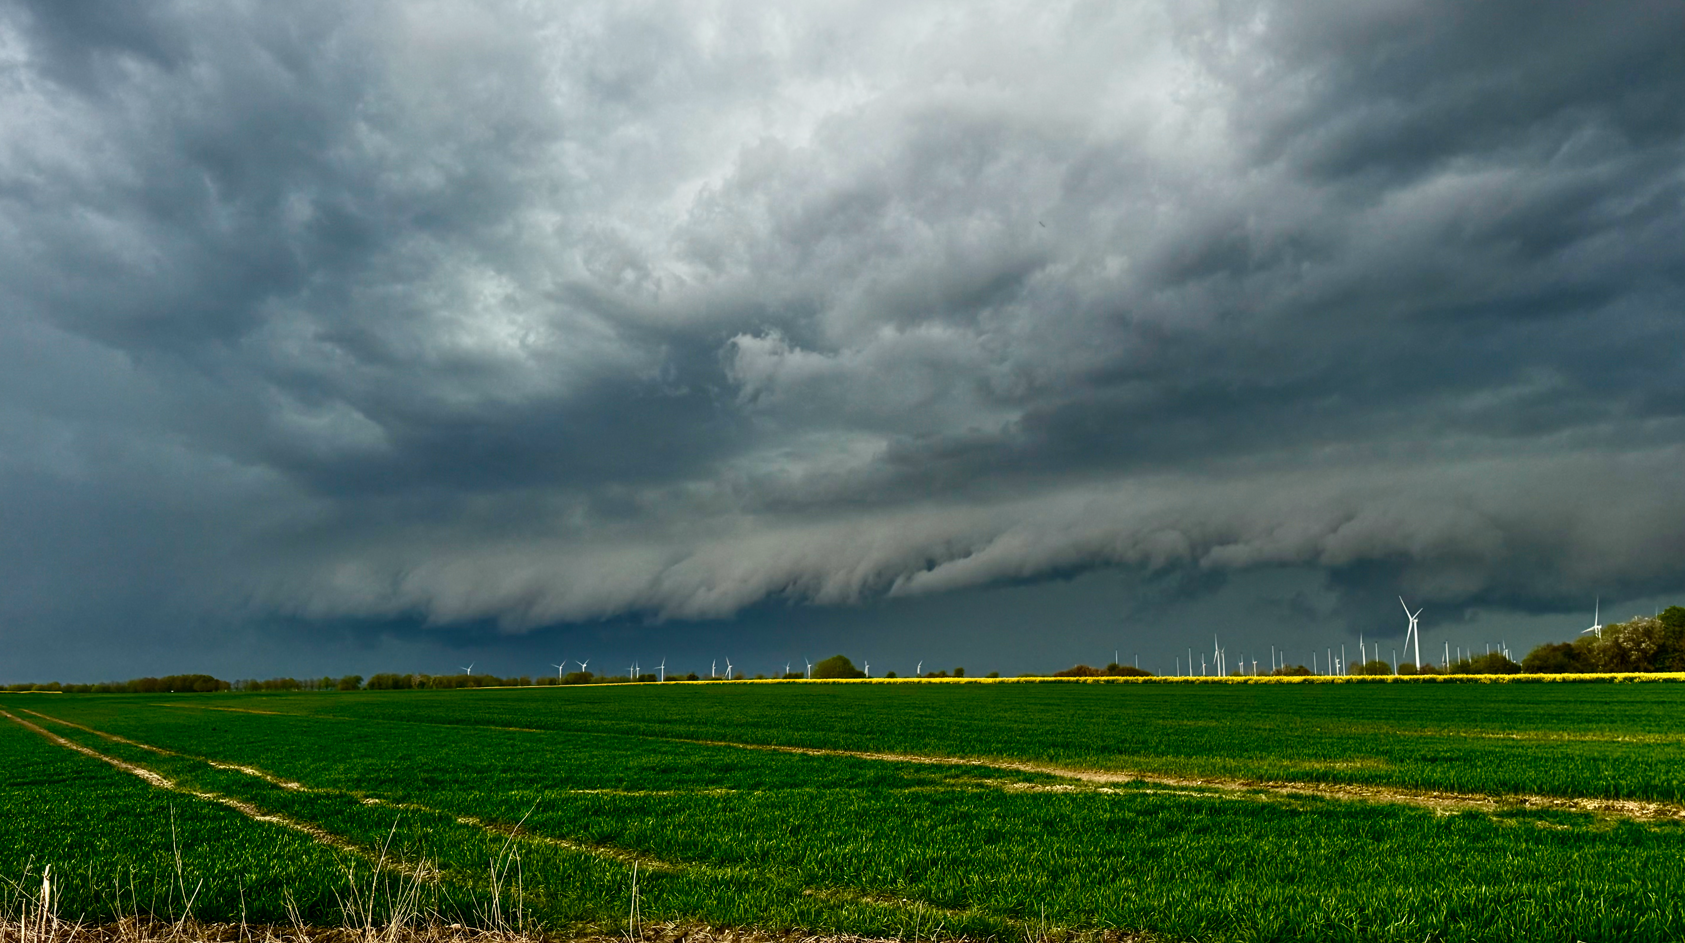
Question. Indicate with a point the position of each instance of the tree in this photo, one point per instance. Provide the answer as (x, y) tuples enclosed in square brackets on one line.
[(1555, 658), (1492, 663), (837, 666)]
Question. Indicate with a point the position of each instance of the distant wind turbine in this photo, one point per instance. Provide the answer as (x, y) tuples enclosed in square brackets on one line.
[(1413, 632), (559, 668), (583, 664), (728, 669), (1596, 620), (468, 670), (868, 669), (663, 667), (809, 669)]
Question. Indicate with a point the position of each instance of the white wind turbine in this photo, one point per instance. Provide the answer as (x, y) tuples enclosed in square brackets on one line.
[(728, 669), (786, 669), (468, 670), (713, 668), (559, 671), (663, 667), (868, 669), (583, 664), (1596, 620), (1413, 632), (919, 671), (809, 668)]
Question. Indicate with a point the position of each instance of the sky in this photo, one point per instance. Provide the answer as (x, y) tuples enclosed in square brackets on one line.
[(413, 336)]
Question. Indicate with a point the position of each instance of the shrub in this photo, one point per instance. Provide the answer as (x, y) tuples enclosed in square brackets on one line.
[(837, 666), (1553, 658), (390, 682)]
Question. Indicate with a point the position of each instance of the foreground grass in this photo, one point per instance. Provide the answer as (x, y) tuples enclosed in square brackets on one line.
[(731, 837)]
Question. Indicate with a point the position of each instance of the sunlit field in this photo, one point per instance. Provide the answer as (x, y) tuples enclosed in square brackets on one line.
[(908, 810)]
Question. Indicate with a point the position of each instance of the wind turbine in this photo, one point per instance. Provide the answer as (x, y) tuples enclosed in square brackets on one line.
[(1413, 632), (786, 669), (583, 664), (713, 668), (663, 667), (559, 668), (809, 669), (468, 670), (919, 671), (868, 669), (1596, 620), (728, 669)]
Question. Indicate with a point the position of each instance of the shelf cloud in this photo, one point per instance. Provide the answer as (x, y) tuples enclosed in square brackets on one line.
[(485, 313)]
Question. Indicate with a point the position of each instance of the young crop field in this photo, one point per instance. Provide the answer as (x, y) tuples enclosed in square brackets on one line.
[(908, 810)]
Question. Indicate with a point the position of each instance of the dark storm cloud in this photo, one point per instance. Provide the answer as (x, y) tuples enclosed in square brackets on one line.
[(461, 312)]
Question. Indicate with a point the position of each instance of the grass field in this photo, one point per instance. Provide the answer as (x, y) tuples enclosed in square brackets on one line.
[(1209, 812)]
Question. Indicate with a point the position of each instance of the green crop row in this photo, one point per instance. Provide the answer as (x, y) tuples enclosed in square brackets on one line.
[(866, 846), (1608, 742)]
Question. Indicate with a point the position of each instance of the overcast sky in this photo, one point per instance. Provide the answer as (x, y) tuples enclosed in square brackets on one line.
[(367, 336)]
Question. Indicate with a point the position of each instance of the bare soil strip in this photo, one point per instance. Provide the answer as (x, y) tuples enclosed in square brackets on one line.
[(252, 771), (616, 854), (1439, 801), (342, 717), (252, 812), (622, 856)]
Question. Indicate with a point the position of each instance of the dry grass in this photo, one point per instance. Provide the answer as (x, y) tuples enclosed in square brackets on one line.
[(153, 931), (381, 910)]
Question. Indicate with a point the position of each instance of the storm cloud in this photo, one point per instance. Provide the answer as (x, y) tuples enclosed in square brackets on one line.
[(480, 313)]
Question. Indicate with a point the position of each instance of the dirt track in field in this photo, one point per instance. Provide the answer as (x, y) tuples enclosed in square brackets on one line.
[(1439, 801), (152, 778)]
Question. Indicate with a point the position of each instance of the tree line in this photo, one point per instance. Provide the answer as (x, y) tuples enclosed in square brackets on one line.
[(1641, 644)]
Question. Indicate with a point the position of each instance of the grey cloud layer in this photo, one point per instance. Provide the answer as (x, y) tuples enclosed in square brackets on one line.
[(476, 311)]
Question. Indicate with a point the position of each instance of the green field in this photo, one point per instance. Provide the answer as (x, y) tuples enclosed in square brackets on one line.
[(1487, 812)]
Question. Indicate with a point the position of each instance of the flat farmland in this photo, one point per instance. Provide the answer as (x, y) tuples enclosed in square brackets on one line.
[(909, 810)]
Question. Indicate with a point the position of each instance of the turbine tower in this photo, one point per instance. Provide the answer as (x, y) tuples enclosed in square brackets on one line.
[(1413, 632), (663, 667), (559, 667)]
